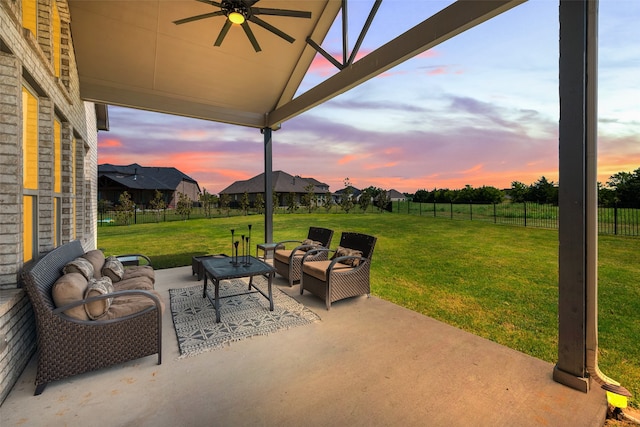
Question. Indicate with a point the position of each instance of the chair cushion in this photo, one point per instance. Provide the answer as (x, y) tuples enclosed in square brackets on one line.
[(283, 255), (127, 305), (113, 269), (318, 269), (353, 262), (79, 265), (70, 288), (96, 258), (102, 286)]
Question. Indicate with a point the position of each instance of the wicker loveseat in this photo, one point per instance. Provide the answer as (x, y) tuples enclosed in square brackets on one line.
[(69, 342)]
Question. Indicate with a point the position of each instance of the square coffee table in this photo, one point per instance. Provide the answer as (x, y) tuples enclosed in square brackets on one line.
[(196, 264), (218, 269)]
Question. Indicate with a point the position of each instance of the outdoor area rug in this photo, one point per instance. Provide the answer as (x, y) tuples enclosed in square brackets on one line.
[(242, 316)]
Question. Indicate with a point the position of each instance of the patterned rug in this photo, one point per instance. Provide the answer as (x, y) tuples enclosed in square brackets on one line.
[(242, 316)]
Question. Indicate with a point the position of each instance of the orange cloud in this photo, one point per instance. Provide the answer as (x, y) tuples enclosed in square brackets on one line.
[(109, 143), (474, 169), (347, 159)]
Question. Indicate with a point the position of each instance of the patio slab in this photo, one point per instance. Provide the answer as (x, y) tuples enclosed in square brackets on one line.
[(368, 362)]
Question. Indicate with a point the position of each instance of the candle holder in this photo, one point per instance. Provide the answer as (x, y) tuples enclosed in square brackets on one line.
[(235, 259), (244, 260), (247, 260), (248, 239), (232, 239)]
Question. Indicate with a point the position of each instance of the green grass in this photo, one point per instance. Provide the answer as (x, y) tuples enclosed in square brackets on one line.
[(496, 281)]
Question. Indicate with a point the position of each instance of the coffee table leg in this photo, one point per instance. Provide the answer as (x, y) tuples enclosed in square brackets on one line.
[(217, 299), (270, 294), (204, 287)]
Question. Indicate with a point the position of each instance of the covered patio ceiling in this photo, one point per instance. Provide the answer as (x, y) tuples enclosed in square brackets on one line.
[(130, 53)]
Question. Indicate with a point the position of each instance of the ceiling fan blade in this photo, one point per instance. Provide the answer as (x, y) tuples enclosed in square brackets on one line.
[(252, 38), (212, 3), (198, 17), (281, 12), (223, 33), (271, 28)]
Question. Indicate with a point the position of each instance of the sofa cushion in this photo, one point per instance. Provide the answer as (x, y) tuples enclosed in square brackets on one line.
[(70, 288), (139, 271), (79, 265), (283, 255), (102, 286), (141, 283), (126, 305), (96, 258), (353, 262), (318, 269), (113, 269)]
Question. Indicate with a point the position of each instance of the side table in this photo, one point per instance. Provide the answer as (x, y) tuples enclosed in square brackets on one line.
[(266, 248)]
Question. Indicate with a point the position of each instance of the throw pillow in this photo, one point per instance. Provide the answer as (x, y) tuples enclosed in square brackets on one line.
[(113, 269), (79, 265), (307, 242), (67, 289), (101, 286), (353, 262), (96, 258)]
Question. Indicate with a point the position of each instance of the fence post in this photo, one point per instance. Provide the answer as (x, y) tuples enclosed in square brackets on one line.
[(135, 215), (434, 207), (525, 213), (615, 219), (470, 210), (495, 217), (451, 209)]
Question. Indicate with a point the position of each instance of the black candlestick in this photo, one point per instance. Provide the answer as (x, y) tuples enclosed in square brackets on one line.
[(232, 231), (248, 254), (235, 262), (243, 257)]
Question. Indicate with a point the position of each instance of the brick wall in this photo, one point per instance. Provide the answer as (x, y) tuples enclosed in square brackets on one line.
[(26, 59)]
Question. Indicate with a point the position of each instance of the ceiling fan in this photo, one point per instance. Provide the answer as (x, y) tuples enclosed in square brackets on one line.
[(240, 12)]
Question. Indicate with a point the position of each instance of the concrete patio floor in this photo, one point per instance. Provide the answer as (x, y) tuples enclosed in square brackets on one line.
[(367, 362)]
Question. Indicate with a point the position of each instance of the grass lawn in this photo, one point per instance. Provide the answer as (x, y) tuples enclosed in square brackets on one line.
[(496, 281)]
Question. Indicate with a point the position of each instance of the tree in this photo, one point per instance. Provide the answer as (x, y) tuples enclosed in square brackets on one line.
[(158, 204), (365, 199), (244, 203), (328, 201), (626, 186), (346, 201), (543, 191), (184, 206), (518, 192), (125, 209), (292, 206), (208, 201), (309, 199), (225, 201), (382, 200), (259, 203), (276, 199)]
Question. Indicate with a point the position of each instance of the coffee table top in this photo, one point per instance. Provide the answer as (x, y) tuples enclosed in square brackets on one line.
[(223, 268)]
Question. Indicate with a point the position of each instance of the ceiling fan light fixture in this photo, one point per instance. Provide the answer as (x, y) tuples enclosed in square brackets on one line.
[(236, 17)]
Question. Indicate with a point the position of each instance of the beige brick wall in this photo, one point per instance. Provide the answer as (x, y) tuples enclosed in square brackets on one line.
[(27, 59)]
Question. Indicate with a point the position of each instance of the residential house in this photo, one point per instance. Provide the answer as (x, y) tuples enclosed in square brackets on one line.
[(142, 182), (283, 185), (49, 146), (396, 196)]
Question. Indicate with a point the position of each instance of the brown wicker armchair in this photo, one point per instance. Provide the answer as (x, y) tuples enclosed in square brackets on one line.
[(345, 275), (67, 346), (288, 262)]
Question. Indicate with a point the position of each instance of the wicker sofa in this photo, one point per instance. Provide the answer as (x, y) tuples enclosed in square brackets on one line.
[(83, 324)]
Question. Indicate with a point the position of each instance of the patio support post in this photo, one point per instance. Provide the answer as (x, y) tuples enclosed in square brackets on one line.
[(268, 185), (577, 296)]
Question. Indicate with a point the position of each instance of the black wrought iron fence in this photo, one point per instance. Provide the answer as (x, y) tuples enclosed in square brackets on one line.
[(614, 220)]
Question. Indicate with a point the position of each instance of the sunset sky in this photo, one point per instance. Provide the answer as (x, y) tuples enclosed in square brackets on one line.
[(481, 109)]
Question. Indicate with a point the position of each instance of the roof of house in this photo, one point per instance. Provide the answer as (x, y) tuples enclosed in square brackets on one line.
[(282, 183), (354, 191), (139, 177), (395, 194)]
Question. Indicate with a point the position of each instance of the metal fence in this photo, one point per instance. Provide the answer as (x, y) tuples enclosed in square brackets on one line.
[(615, 220)]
